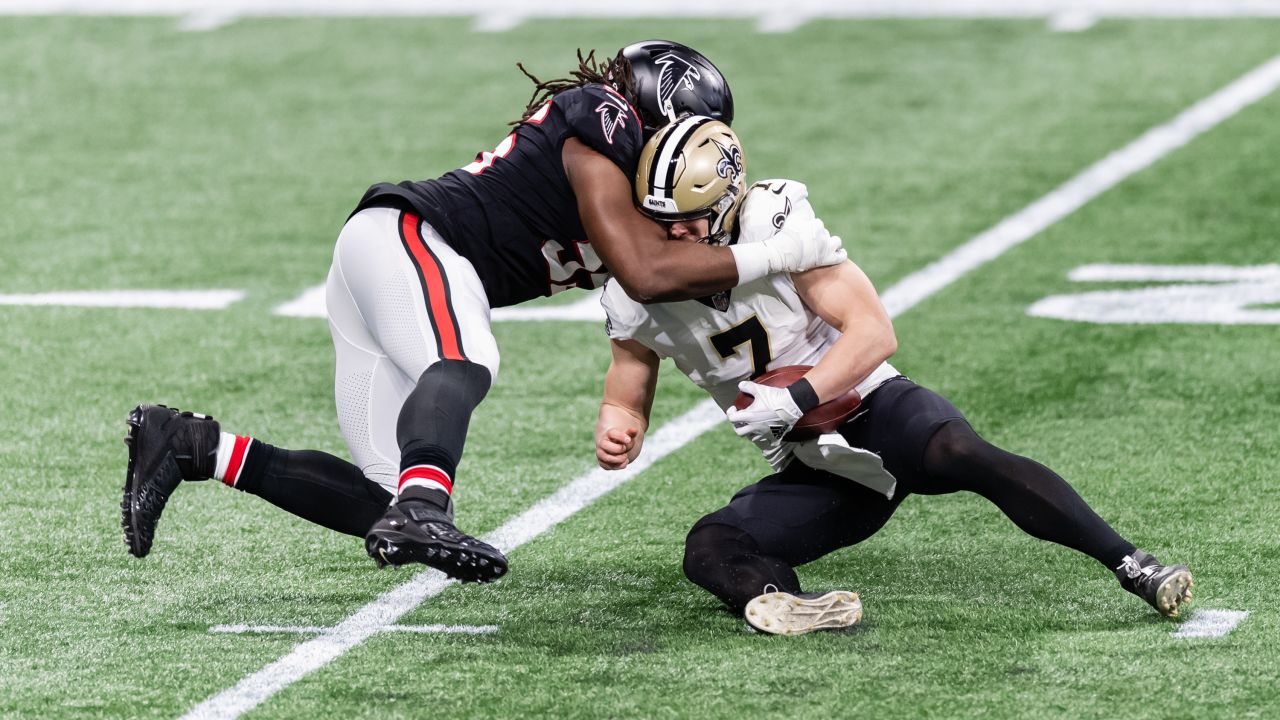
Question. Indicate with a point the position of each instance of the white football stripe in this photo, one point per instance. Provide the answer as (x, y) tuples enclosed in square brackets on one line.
[(180, 299), (1210, 623), (387, 608)]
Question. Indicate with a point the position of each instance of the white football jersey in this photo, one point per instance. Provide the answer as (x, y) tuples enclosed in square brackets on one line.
[(764, 325)]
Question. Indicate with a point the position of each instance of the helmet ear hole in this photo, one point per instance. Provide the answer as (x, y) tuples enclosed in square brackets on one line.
[(693, 168)]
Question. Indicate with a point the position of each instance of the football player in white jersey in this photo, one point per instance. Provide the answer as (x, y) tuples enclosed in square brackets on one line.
[(841, 488)]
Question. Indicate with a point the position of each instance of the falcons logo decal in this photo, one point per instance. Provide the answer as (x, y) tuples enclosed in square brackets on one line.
[(675, 72), (613, 115), (730, 163)]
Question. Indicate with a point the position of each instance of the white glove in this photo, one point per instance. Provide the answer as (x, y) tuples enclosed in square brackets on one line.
[(780, 455), (800, 245), (771, 414)]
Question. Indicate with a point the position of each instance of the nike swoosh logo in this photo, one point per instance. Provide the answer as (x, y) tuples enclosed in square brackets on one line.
[(779, 190)]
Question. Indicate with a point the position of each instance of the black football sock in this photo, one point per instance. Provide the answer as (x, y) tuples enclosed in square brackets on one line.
[(1034, 497), (728, 563), (432, 428), (315, 486)]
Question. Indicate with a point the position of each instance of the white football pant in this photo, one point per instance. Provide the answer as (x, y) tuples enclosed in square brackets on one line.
[(399, 299)]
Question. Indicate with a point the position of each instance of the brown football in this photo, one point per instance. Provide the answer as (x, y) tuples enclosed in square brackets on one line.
[(823, 419)]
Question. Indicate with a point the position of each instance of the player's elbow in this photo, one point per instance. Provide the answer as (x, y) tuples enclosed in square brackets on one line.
[(888, 341), (648, 287)]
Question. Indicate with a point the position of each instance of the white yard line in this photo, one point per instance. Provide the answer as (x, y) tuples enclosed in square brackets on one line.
[(389, 607), (318, 630), (1210, 623), (1095, 180), (180, 299), (310, 304)]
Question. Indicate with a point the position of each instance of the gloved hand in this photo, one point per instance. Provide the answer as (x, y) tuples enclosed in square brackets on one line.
[(801, 246), (779, 455), (771, 414)]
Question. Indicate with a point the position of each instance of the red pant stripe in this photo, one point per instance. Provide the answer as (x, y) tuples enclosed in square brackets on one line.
[(435, 286)]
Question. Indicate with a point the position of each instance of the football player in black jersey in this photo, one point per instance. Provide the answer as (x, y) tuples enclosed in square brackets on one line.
[(416, 270)]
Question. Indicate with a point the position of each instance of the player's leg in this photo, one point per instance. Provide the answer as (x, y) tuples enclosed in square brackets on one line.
[(1045, 506), (746, 552), (928, 445), (410, 322), (167, 446)]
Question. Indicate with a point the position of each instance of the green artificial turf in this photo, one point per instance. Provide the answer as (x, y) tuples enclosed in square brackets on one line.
[(138, 157)]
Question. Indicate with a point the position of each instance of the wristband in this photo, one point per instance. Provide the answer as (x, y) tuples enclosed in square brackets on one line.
[(752, 261), (803, 395)]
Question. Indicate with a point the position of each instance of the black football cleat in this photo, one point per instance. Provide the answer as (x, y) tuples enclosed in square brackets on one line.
[(414, 531), (783, 613), (1165, 587), (166, 446)]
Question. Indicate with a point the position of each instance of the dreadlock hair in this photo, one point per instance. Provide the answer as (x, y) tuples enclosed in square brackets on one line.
[(616, 73)]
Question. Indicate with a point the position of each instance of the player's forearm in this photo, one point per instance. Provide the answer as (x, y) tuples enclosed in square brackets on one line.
[(681, 271), (859, 351)]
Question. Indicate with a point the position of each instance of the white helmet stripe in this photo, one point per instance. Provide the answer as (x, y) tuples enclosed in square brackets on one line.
[(662, 179)]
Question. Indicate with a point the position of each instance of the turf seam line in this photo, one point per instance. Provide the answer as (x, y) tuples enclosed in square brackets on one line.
[(313, 654)]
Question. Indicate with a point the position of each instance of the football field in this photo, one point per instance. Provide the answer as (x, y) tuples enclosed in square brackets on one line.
[(1078, 234)]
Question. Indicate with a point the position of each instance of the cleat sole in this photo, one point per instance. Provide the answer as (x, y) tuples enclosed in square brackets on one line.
[(780, 613), (1173, 593), (393, 548)]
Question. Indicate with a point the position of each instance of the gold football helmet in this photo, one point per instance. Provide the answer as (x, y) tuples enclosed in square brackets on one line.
[(693, 168)]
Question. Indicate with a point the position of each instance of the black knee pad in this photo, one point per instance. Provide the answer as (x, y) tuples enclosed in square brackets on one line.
[(712, 540), (432, 427)]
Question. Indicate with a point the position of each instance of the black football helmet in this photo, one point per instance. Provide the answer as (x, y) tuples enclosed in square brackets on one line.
[(670, 80)]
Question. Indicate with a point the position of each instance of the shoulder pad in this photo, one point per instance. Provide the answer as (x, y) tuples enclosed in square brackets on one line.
[(769, 205), (605, 122), (623, 316)]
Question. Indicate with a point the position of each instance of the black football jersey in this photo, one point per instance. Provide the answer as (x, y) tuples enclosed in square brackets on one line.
[(512, 212)]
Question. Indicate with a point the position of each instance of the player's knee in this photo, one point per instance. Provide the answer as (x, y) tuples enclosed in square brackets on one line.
[(708, 546), (955, 446), (455, 381)]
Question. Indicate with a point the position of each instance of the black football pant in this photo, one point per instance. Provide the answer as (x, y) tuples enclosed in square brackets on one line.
[(801, 514)]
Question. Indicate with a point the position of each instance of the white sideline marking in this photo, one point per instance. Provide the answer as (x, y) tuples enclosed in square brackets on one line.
[(1095, 180), (317, 630), (811, 9), (181, 299), (310, 304), (389, 607), (1210, 623)]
